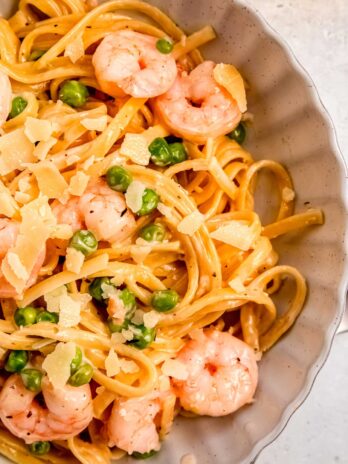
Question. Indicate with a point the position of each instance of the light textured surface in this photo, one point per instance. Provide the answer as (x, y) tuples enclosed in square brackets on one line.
[(317, 32)]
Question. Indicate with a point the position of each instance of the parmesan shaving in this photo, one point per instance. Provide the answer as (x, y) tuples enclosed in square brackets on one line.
[(15, 151), (50, 181), (235, 234), (74, 260), (38, 130), (191, 223), (21, 198), (140, 253), (52, 299), (8, 205), (229, 77), (134, 196), (151, 319), (62, 232), (98, 124), (78, 184), (135, 147), (108, 291), (127, 334), (34, 230), (43, 148), (117, 280), (175, 369), (129, 366), (75, 49), (17, 266), (57, 364), (69, 311), (117, 338), (288, 194), (138, 317), (112, 364)]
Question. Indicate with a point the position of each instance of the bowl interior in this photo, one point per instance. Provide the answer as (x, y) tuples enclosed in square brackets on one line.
[(290, 127)]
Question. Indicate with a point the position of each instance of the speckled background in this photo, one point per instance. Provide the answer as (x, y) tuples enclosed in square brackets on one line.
[(317, 31)]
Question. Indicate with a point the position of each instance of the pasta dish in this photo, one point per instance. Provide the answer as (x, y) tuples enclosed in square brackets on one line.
[(136, 277)]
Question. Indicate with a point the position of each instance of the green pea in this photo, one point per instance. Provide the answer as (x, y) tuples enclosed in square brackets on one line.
[(73, 93), (238, 134), (178, 152), (84, 241), (153, 233), (164, 300), (164, 46), (128, 299), (147, 455), (16, 361), (76, 361), (26, 316), (36, 54), (18, 105), (82, 376), (118, 178), (95, 287), (142, 336), (160, 152), (45, 316), (32, 379), (39, 447), (150, 202)]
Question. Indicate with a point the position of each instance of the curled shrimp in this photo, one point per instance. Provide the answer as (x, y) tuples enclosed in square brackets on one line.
[(222, 374), (9, 230), (100, 209), (68, 410), (5, 97), (196, 107), (132, 424), (129, 61)]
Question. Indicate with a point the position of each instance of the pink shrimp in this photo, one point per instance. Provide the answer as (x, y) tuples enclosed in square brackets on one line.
[(8, 234), (100, 209), (5, 97), (129, 62), (132, 426), (197, 107), (68, 410), (222, 374)]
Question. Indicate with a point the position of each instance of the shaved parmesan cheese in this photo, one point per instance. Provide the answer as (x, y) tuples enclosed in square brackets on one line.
[(151, 319), (134, 196), (24, 184), (98, 124), (127, 334), (191, 223), (129, 366), (229, 77), (52, 299), (50, 181), (175, 369), (112, 364), (140, 253), (34, 230), (135, 147), (75, 49), (17, 266), (138, 317), (78, 183), (38, 130), (188, 459), (88, 163), (235, 234), (117, 338), (108, 291), (8, 205), (237, 285), (118, 280), (15, 151), (74, 260), (116, 308), (57, 363), (82, 298), (288, 194), (62, 232), (69, 311), (43, 148)]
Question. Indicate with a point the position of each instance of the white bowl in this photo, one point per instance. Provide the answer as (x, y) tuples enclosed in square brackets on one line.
[(290, 126)]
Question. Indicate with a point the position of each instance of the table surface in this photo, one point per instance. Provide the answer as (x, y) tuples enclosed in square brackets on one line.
[(317, 32)]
